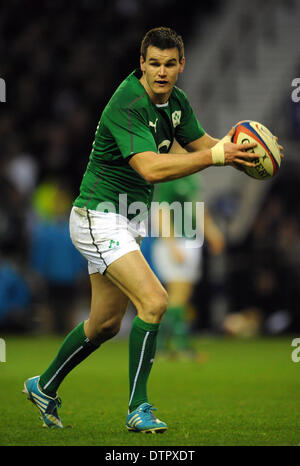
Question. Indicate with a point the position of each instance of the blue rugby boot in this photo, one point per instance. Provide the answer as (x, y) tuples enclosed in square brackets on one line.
[(46, 404), (143, 420)]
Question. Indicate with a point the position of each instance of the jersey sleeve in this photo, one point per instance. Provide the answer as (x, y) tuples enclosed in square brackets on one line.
[(189, 128), (130, 132)]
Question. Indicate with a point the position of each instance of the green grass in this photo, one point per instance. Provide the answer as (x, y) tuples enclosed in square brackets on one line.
[(247, 393)]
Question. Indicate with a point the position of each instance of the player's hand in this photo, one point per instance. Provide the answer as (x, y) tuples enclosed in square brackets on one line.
[(225, 152), (236, 153), (280, 147)]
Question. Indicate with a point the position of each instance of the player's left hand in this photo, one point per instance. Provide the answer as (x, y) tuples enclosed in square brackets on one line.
[(280, 147)]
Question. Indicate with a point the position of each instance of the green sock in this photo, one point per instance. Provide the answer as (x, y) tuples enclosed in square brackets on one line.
[(180, 328), (75, 348), (142, 346)]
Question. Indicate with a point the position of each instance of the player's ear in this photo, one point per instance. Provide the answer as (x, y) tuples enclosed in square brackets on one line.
[(181, 65), (142, 63)]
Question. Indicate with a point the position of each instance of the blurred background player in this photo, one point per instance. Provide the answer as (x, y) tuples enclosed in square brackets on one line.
[(179, 266)]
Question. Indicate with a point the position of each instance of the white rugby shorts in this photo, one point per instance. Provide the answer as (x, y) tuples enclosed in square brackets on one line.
[(103, 237), (190, 270)]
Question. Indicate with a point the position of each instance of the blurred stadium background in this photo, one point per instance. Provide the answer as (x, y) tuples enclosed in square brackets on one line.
[(61, 62)]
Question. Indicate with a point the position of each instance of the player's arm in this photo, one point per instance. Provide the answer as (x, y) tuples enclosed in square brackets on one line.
[(156, 168), (205, 142)]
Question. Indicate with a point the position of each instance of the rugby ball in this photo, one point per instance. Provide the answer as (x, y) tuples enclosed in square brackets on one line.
[(268, 164)]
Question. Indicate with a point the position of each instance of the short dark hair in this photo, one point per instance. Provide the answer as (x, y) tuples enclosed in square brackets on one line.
[(162, 38)]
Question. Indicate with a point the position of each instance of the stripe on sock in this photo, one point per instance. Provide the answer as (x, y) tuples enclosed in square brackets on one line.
[(62, 366), (139, 366)]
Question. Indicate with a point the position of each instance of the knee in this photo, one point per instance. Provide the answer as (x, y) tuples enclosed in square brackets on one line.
[(155, 306)]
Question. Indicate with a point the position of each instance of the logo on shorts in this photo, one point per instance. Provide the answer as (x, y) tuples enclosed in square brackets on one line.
[(113, 244)]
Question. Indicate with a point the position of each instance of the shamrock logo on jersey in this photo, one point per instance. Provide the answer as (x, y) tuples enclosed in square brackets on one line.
[(176, 116)]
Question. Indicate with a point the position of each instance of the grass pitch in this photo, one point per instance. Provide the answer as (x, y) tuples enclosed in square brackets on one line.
[(245, 394)]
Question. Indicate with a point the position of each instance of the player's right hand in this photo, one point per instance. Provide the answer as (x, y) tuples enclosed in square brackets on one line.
[(225, 152), (237, 153)]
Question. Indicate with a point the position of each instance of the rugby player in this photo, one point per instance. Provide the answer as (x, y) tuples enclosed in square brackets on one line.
[(130, 154)]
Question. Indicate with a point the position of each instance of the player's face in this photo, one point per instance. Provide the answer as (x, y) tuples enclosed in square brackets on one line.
[(160, 72)]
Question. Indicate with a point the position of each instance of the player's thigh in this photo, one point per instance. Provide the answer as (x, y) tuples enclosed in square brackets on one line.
[(133, 276), (108, 306)]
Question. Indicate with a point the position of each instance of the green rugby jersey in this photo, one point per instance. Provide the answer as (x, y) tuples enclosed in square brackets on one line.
[(129, 124)]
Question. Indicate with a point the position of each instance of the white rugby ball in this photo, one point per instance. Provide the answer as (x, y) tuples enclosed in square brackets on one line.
[(268, 164)]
